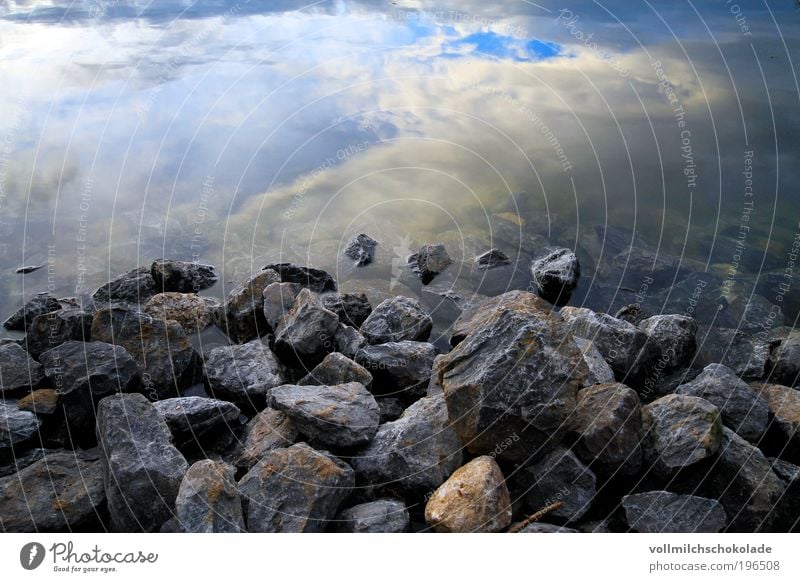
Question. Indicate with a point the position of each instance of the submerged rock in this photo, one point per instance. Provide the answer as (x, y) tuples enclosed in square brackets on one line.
[(335, 369), (133, 288), (18, 371), (23, 318), (395, 320), (382, 516), (182, 276), (208, 499), (352, 308), (492, 259), (50, 330), (665, 512), (361, 250), (306, 334), (16, 426), (316, 280), (429, 261), (243, 374), (194, 312), (269, 429), (556, 275), (241, 316), (399, 368)]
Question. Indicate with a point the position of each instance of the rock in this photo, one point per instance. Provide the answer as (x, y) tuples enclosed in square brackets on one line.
[(517, 373), (399, 368), (474, 499), (560, 477), (61, 492), (84, 373), (23, 318), (492, 259), (556, 275), (608, 424), (784, 408), (675, 337), (743, 353), (344, 415), (16, 426), (305, 335), (165, 356), (414, 454), (787, 512), (142, 470), (476, 315), (243, 374), (784, 361), (391, 408), (361, 250), (348, 340), (352, 308), (599, 370), (132, 288), (680, 431), (741, 409), (278, 300), (269, 429), (182, 276), (50, 330), (208, 500), (337, 369), (316, 280), (296, 489), (16, 463), (18, 371), (665, 512), (190, 418), (241, 316), (429, 261), (43, 402), (382, 516), (193, 312), (395, 320), (623, 346), (539, 527), (632, 313)]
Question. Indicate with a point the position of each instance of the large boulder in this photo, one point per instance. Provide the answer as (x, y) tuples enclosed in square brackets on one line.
[(556, 275), (414, 454), (559, 477), (518, 372), (473, 499), (164, 353), (269, 429), (784, 361), (315, 280), (680, 431), (208, 499), (305, 335), (294, 490), (191, 418), (335, 369), (194, 312), (395, 320), (344, 415), (17, 426), (352, 308), (18, 371), (133, 288), (182, 276), (50, 330), (243, 374), (24, 316), (241, 316), (429, 261), (742, 410), (142, 470), (361, 249), (399, 368), (381, 516), (675, 337), (62, 491), (665, 512)]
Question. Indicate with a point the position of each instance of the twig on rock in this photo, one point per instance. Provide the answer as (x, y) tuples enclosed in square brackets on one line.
[(516, 528)]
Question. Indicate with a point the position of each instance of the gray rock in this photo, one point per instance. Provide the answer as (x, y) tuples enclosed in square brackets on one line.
[(84, 373), (787, 512), (243, 374), (208, 499), (190, 418), (278, 300), (743, 353), (401, 369), (16, 426), (599, 370), (517, 373), (784, 361), (395, 320), (478, 313), (348, 340), (294, 490), (10, 466), (63, 491), (556, 275), (166, 358), (429, 261), (18, 371), (538, 527), (680, 431), (132, 288), (269, 429), (382, 516), (361, 250), (665, 512), (182, 276), (352, 308), (344, 415), (492, 259), (50, 330), (675, 337), (742, 410), (414, 454), (560, 477), (335, 369), (24, 316), (316, 280), (241, 316), (194, 312), (784, 408), (142, 470), (632, 313), (306, 334), (608, 425)]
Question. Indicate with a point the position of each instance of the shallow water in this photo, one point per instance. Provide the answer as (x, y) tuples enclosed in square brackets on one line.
[(238, 134)]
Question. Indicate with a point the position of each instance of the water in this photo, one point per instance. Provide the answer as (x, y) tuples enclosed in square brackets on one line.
[(240, 134)]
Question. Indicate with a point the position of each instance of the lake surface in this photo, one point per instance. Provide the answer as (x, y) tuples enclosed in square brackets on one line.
[(244, 133)]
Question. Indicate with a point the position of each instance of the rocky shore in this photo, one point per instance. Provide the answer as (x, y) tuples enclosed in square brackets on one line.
[(325, 411)]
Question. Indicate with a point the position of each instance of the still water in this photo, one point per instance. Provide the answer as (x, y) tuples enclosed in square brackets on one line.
[(243, 133)]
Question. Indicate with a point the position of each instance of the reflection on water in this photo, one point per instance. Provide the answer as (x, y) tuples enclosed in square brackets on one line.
[(239, 134)]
